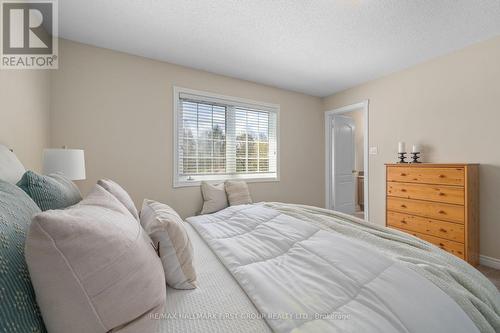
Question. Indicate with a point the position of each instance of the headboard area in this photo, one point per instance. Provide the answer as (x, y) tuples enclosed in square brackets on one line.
[(11, 169)]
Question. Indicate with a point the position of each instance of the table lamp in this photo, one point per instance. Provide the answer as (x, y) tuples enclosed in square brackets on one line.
[(68, 162)]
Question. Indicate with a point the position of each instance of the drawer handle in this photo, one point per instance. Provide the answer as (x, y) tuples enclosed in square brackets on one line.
[(403, 190), (442, 194), (443, 230), (441, 245), (442, 212), (403, 221), (442, 176), (403, 174), (403, 206)]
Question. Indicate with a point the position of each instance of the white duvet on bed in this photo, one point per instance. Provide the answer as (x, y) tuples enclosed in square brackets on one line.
[(218, 305), (304, 279)]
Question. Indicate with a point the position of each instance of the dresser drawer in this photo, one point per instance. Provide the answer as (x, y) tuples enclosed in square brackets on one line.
[(455, 248), (442, 176), (438, 193), (440, 211), (446, 230)]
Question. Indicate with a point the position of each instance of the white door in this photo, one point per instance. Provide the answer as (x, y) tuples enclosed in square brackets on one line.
[(343, 196)]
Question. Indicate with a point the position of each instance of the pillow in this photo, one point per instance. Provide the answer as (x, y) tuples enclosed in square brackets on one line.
[(214, 198), (11, 169), (50, 192), (120, 193), (237, 193), (93, 267), (18, 309), (166, 229)]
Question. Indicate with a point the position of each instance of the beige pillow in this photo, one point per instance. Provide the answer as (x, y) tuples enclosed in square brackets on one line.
[(166, 229), (120, 193), (93, 268), (237, 193), (214, 198)]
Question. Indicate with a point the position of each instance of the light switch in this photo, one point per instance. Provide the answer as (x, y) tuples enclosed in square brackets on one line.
[(373, 150)]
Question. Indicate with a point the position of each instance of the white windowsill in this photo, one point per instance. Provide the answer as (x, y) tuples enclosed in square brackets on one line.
[(219, 179)]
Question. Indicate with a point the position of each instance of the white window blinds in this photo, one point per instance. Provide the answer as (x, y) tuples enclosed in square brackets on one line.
[(202, 139), (255, 141), (221, 139)]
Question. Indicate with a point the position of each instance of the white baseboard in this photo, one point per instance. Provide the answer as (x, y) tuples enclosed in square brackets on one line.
[(489, 261)]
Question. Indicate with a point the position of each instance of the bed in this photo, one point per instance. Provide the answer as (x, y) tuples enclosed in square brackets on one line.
[(274, 267), (291, 268), (219, 298)]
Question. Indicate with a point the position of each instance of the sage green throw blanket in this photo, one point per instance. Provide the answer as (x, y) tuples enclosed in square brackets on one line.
[(472, 291)]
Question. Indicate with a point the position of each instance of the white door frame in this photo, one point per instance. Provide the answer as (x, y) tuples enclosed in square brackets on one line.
[(330, 190)]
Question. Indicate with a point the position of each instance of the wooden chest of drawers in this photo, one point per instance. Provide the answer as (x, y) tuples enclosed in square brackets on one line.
[(438, 203)]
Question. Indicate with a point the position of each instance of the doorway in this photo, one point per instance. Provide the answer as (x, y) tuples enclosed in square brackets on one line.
[(346, 144)]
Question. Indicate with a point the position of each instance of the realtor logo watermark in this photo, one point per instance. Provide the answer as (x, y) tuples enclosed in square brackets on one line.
[(29, 34)]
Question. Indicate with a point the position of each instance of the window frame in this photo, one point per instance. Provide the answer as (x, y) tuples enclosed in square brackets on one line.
[(178, 180)]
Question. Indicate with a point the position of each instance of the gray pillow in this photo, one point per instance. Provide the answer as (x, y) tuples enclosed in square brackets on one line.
[(19, 311), (237, 193), (11, 169), (94, 269), (119, 192), (214, 198), (50, 192)]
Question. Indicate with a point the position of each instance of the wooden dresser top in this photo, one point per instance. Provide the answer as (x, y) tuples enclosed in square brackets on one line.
[(430, 165)]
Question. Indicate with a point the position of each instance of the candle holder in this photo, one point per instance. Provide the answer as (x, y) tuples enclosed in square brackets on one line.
[(415, 156), (402, 157)]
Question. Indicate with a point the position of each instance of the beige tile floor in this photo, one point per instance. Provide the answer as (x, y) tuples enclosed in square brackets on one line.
[(492, 274)]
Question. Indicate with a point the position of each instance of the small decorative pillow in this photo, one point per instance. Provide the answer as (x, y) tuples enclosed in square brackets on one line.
[(214, 197), (50, 192), (19, 311), (94, 268), (166, 229), (237, 193), (11, 169), (120, 193)]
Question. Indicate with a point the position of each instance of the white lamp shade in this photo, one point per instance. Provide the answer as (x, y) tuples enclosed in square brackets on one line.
[(68, 162)]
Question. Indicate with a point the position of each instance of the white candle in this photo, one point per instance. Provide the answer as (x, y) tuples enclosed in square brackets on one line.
[(415, 149), (401, 147)]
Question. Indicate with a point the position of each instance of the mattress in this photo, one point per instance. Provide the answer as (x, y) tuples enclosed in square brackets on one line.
[(217, 305)]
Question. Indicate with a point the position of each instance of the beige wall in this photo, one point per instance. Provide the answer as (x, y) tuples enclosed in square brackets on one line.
[(451, 106), (24, 114), (118, 108)]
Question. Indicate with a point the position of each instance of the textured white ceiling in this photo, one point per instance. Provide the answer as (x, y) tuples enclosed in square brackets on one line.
[(313, 46)]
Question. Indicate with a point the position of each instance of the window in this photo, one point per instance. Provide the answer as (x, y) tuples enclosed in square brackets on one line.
[(219, 137)]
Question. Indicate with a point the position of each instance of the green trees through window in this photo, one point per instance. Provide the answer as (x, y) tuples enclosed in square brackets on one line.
[(223, 139)]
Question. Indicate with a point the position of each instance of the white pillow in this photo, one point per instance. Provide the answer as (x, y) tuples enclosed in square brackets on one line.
[(93, 268), (237, 193), (214, 197), (166, 229), (120, 193), (11, 169)]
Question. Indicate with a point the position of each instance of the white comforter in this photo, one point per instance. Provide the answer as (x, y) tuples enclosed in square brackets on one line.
[(304, 279)]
